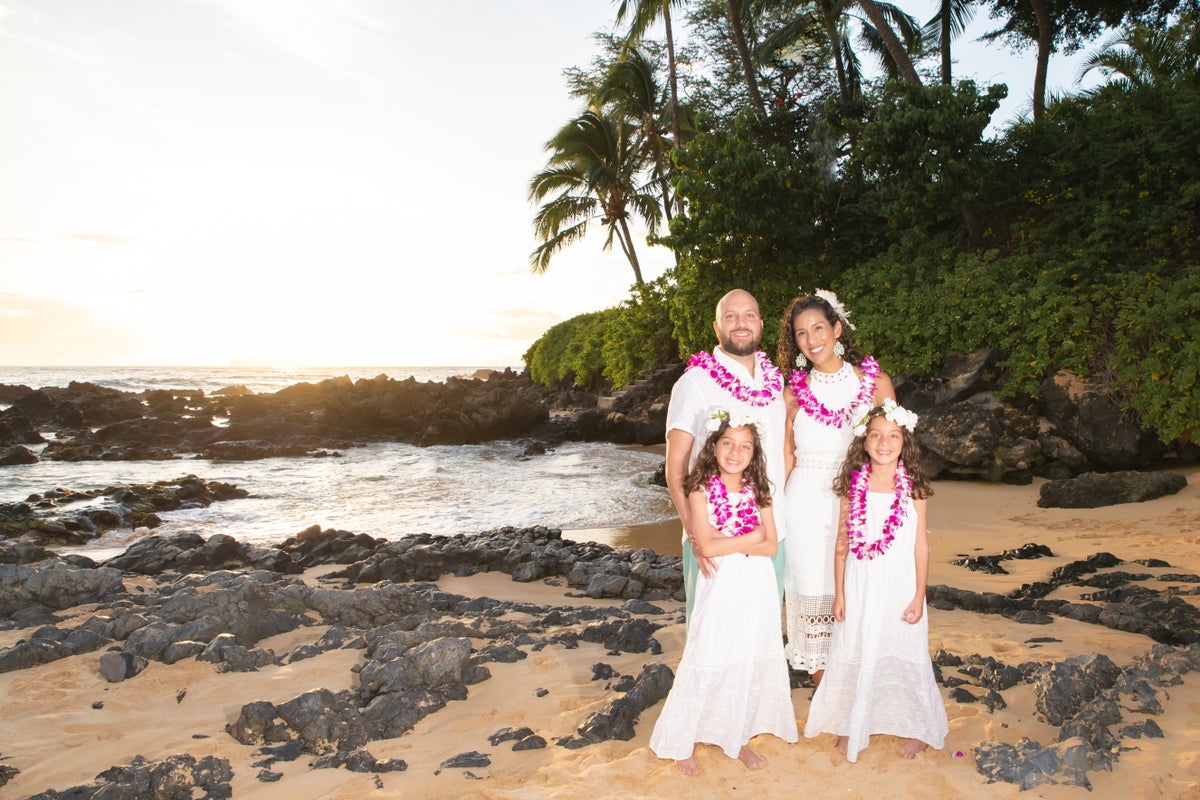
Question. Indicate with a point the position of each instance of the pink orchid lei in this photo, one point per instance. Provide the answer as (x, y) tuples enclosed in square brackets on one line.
[(729, 521), (857, 521), (772, 379), (814, 408)]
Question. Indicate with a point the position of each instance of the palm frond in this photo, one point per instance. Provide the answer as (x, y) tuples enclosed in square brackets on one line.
[(958, 13), (562, 213), (540, 258)]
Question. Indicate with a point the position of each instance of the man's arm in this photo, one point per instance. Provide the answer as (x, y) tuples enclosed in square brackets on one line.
[(679, 452)]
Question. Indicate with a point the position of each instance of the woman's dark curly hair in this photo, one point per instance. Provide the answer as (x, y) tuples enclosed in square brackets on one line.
[(787, 350), (705, 467), (910, 455)]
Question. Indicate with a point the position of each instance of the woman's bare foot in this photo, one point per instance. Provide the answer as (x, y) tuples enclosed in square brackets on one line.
[(688, 766), (843, 745), (912, 747), (750, 758)]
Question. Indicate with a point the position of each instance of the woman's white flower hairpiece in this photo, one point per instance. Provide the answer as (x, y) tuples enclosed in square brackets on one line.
[(736, 419), (838, 308), (892, 412)]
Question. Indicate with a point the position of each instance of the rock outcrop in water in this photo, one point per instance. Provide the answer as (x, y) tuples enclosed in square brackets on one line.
[(95, 423), (62, 516), (968, 430)]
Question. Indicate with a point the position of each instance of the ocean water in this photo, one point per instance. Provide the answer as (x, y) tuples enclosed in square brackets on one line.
[(260, 380), (385, 490)]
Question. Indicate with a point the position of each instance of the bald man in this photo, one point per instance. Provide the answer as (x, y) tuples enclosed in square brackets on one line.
[(746, 381)]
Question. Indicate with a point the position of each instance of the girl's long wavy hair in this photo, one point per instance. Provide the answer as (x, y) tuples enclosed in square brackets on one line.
[(755, 474), (910, 454), (786, 351)]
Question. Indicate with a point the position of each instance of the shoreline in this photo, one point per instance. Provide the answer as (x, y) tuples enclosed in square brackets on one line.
[(664, 538)]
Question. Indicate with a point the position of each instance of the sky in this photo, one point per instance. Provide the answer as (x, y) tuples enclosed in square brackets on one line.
[(300, 182)]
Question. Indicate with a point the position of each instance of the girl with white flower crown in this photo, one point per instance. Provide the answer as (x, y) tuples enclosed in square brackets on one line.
[(732, 681), (829, 384), (879, 678)]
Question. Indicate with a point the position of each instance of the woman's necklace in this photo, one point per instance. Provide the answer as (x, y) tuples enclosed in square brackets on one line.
[(772, 379), (731, 521), (815, 409), (856, 521)]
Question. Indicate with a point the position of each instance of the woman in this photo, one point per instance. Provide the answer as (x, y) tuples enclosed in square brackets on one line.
[(831, 380)]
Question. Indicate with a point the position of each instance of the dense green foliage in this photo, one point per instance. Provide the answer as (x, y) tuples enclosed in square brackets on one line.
[(617, 344), (1068, 242), (570, 351), (1091, 263)]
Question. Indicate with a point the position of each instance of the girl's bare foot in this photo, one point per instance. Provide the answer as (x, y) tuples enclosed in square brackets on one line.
[(750, 758), (843, 745), (912, 747), (688, 766)]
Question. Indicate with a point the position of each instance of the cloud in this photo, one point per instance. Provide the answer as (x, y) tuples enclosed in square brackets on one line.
[(524, 324), (332, 36), (96, 239), (40, 331), (69, 239)]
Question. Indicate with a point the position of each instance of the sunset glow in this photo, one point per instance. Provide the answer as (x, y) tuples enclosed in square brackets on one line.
[(301, 182)]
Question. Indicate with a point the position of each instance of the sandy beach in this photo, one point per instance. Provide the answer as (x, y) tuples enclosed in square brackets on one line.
[(56, 738)]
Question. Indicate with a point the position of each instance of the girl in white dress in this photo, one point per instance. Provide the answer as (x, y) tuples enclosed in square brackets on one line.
[(879, 678), (732, 681), (831, 384)]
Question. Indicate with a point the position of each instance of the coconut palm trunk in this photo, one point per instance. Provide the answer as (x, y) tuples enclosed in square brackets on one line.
[(830, 20), (672, 75), (739, 39), (626, 240), (944, 36), (894, 46), (1045, 44)]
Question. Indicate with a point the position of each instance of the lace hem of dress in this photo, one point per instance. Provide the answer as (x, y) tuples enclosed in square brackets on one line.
[(800, 663), (814, 655), (816, 629)]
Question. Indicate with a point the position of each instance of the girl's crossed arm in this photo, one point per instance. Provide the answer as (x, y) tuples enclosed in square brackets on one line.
[(711, 543), (770, 543)]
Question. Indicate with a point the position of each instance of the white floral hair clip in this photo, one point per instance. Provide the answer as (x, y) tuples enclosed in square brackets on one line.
[(892, 412), (735, 418), (838, 308)]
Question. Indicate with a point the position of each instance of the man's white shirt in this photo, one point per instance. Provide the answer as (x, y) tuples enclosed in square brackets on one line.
[(696, 396)]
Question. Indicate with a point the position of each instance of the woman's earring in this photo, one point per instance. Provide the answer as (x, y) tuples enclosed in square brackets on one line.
[(839, 349), (801, 361)]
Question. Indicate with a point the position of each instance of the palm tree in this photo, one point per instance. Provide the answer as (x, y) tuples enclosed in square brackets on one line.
[(643, 15), (895, 47), (1045, 44), (948, 24), (845, 60), (630, 89), (834, 18), (739, 39), (591, 173), (1144, 55)]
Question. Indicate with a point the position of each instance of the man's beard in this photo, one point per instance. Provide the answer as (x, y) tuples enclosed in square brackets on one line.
[(732, 349)]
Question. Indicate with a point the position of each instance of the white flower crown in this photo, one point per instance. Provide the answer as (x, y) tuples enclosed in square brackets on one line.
[(838, 308), (892, 412), (736, 419)]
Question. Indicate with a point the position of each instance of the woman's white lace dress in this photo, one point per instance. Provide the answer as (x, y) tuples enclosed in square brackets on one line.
[(812, 518)]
